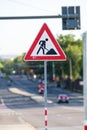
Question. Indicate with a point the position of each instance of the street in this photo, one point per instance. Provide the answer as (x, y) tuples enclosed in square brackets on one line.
[(21, 104)]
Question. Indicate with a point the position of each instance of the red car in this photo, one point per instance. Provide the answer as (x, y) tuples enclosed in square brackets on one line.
[(63, 98)]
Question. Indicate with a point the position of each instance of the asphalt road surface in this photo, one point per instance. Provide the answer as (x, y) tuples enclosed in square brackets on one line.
[(21, 104)]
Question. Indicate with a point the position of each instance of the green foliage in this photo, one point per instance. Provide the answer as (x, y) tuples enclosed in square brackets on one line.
[(19, 65), (72, 49), (1, 66)]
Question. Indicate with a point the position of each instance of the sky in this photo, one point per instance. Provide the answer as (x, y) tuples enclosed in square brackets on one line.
[(16, 36)]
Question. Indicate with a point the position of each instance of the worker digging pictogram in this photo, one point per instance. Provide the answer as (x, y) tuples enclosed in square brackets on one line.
[(42, 48)]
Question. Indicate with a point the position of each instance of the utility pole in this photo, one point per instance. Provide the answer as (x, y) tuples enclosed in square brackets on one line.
[(53, 67), (85, 77)]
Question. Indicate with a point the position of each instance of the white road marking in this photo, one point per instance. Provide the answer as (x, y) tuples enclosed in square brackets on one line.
[(74, 108)]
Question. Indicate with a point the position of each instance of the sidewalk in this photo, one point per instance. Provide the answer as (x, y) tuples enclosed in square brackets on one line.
[(10, 120), (17, 127), (64, 128)]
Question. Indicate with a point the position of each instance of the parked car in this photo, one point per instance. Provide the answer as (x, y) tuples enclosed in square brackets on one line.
[(63, 98)]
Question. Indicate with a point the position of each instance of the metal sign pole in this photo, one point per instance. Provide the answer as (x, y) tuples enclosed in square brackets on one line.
[(85, 77), (54, 53), (45, 94)]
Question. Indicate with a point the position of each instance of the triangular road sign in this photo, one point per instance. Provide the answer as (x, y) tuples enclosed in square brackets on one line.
[(45, 47)]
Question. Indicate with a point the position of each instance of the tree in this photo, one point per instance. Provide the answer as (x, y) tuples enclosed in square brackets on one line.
[(73, 51), (19, 65), (1, 66)]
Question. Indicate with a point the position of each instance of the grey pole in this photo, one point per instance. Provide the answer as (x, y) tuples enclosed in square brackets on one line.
[(53, 66), (45, 94), (85, 77), (70, 62), (38, 17)]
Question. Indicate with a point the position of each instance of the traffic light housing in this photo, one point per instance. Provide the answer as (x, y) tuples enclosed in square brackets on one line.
[(71, 17)]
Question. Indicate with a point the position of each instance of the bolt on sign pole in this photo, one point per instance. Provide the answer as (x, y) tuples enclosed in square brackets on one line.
[(45, 95), (85, 78)]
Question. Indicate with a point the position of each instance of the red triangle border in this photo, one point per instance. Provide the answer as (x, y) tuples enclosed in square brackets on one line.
[(61, 57)]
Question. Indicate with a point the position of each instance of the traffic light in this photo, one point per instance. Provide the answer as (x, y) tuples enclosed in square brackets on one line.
[(71, 17)]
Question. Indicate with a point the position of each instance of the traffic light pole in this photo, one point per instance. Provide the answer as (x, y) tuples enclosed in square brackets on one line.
[(85, 78), (29, 17), (37, 17)]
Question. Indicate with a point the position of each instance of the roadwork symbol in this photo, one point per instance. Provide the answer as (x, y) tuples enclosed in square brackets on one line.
[(45, 47), (42, 48)]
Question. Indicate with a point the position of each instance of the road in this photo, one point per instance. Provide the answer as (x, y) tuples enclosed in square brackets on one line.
[(21, 104)]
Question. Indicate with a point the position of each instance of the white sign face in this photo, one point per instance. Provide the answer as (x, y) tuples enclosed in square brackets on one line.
[(44, 46)]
